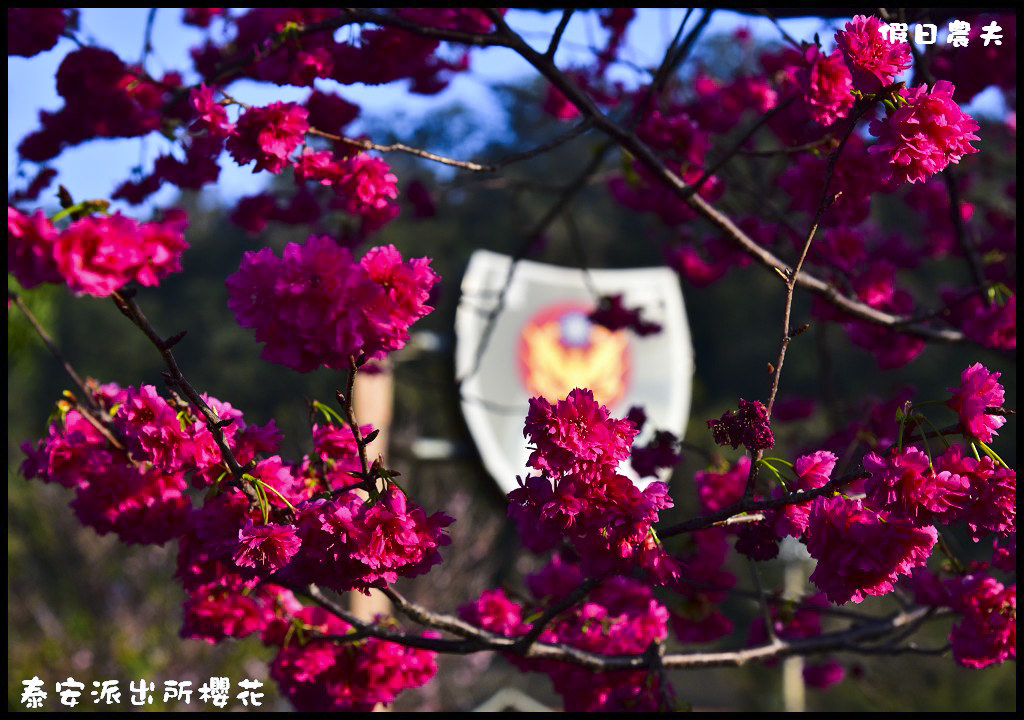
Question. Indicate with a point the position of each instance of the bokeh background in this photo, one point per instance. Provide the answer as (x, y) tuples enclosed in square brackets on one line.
[(88, 607)]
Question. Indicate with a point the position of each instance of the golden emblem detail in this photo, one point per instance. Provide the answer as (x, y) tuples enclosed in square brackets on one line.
[(552, 364)]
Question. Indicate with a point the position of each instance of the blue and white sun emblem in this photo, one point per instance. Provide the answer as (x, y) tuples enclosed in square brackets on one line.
[(575, 329)]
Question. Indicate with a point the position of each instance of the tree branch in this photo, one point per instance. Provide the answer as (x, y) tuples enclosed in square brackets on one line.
[(127, 305), (629, 142), (748, 506)]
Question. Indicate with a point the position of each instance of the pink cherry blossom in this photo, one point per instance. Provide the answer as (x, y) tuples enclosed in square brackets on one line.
[(827, 85), (749, 426), (719, 490), (874, 62), (861, 551), (269, 135), (30, 241), (979, 390), (923, 136), (987, 634), (906, 484), (267, 548), (99, 255), (317, 306)]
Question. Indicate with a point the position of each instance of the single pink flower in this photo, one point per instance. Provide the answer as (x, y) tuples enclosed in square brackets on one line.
[(861, 551), (978, 391), (267, 548), (987, 634), (923, 136), (269, 135), (874, 62), (209, 114), (827, 85), (30, 242), (719, 490)]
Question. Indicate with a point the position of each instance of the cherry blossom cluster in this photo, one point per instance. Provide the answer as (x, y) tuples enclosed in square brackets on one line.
[(704, 583), (874, 60), (236, 558), (312, 668), (863, 546), (105, 97), (749, 426), (316, 306), (620, 616), (578, 495), (928, 132), (812, 98), (979, 390), (356, 676), (132, 478), (96, 255), (986, 631), (612, 314)]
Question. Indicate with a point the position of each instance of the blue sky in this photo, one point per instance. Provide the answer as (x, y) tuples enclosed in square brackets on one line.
[(95, 169)]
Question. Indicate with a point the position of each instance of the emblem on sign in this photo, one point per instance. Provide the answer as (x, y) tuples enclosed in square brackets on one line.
[(560, 349), (522, 331)]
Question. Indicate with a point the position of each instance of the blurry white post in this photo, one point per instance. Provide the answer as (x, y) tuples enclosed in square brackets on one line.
[(373, 403), (794, 690)]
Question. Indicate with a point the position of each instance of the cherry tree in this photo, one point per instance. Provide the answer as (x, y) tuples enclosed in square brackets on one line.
[(627, 600)]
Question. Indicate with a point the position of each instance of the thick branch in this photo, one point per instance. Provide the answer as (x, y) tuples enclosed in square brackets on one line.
[(475, 639)]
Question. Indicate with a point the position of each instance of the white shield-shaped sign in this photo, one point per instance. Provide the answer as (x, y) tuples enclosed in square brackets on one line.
[(522, 331)]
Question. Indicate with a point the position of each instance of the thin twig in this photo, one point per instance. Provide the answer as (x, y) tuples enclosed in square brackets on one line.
[(846, 640), (794, 275), (962, 238), (347, 402), (778, 26), (662, 73), (553, 212), (52, 347), (790, 150), (147, 43), (409, 150), (675, 57), (438, 621), (556, 609), (749, 506), (127, 305), (580, 250), (629, 142), (314, 593), (556, 37), (731, 152), (654, 655), (475, 639), (766, 613), (575, 131)]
